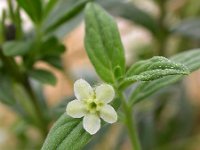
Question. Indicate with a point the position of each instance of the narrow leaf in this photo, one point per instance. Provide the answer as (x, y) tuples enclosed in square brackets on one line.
[(43, 76), (75, 10), (49, 6), (151, 69), (33, 8), (15, 48), (191, 59), (67, 133), (103, 43)]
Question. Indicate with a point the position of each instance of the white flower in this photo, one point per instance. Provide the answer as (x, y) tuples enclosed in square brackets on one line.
[(92, 104)]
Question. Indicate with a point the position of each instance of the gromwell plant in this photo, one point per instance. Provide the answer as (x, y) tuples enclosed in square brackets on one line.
[(106, 53)]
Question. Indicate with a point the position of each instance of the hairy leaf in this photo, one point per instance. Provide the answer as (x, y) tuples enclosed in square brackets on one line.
[(43, 76), (191, 59), (103, 43), (67, 133), (152, 69)]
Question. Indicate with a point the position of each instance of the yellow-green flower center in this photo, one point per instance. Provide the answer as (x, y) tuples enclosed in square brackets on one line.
[(93, 105)]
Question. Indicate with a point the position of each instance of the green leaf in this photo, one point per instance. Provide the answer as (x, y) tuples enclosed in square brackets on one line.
[(103, 43), (49, 6), (54, 61), (75, 10), (188, 28), (52, 47), (33, 8), (50, 52), (43, 76), (15, 48), (66, 134), (61, 8), (191, 59), (152, 69)]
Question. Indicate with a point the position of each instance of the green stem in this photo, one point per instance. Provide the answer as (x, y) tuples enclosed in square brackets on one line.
[(42, 120), (130, 124)]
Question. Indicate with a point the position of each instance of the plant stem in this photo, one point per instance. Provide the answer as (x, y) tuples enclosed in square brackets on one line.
[(130, 124), (42, 120)]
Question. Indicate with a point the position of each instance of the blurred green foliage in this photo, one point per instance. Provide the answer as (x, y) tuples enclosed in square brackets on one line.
[(19, 52), (52, 20)]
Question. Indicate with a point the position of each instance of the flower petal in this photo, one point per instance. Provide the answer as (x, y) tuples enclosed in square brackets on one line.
[(108, 114), (91, 123), (105, 92), (83, 90), (76, 109)]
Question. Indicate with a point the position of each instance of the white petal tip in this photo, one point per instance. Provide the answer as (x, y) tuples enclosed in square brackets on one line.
[(91, 123), (92, 132)]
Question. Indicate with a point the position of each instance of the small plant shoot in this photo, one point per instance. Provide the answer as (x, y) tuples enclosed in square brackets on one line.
[(130, 97)]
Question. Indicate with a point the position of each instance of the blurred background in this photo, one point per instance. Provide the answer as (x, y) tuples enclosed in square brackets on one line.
[(168, 120)]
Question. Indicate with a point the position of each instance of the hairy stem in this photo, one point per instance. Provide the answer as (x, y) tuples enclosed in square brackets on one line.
[(130, 124)]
